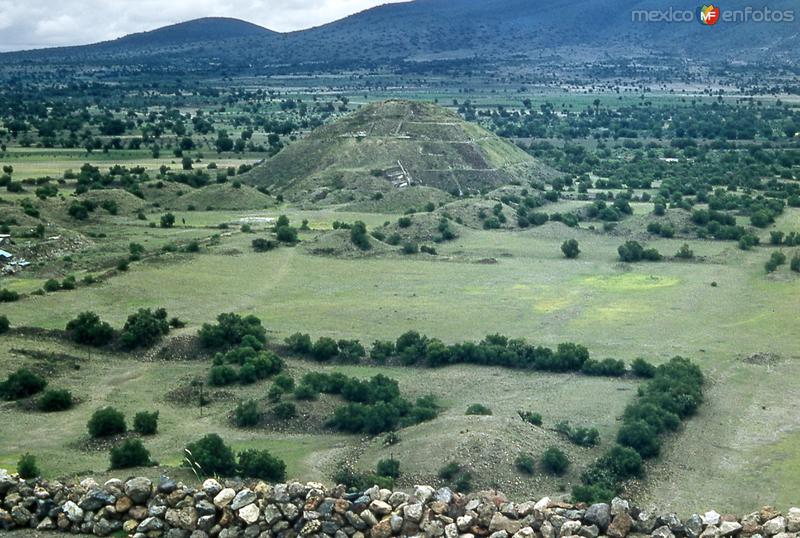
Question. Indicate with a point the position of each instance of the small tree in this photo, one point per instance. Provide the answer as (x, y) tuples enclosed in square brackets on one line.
[(145, 423), (525, 463), (55, 400), (389, 467), (555, 461), (478, 409), (144, 328), (285, 411), (299, 343), (131, 453), (21, 384), (167, 220), (106, 422), (685, 253), (246, 414), (211, 456), (325, 349), (5, 325), (27, 468), (359, 236), (570, 248), (88, 329), (261, 464)]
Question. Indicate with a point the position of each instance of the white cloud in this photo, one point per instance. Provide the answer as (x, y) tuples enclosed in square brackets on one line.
[(44, 23)]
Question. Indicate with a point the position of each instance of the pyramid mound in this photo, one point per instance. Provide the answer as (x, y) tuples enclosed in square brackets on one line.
[(394, 145)]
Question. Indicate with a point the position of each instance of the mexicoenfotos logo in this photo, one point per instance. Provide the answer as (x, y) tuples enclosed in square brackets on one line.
[(708, 15)]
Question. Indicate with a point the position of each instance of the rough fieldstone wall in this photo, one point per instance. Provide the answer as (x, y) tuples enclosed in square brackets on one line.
[(169, 509)]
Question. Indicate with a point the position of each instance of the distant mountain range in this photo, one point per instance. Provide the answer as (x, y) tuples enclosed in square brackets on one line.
[(418, 32)]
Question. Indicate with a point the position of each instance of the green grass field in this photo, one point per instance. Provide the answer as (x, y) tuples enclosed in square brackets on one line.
[(654, 310)]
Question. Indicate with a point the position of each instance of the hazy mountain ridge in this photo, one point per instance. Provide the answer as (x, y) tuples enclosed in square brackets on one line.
[(442, 29)]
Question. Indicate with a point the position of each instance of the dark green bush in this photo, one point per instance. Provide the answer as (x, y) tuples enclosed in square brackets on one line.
[(131, 453), (210, 456), (261, 464), (478, 409), (285, 411), (263, 245), (449, 470), (388, 467), (27, 468), (105, 422), (4, 324), (21, 384), (642, 368), (325, 349), (555, 461), (305, 392), (230, 330), (52, 285), (640, 436), (605, 367), (570, 248), (220, 376), (8, 296), (145, 423), (89, 330), (55, 400), (381, 350), (144, 328), (299, 343), (531, 417), (359, 237), (246, 414), (525, 463)]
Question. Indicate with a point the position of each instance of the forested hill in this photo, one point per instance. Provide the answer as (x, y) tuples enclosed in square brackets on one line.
[(415, 32)]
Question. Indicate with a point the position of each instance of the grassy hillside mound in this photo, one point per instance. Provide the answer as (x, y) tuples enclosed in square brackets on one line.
[(224, 196), (401, 200), (387, 146), (126, 202), (338, 243)]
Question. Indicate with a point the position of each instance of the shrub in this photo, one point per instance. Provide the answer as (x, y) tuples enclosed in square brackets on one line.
[(404, 222), (390, 468), (8, 296), (359, 237), (640, 436), (211, 456), (263, 245), (350, 351), (88, 329), (122, 265), (167, 220), (325, 349), (531, 417), (21, 384), (230, 330), (105, 422), (261, 464), (5, 325), (299, 343), (478, 409), (52, 285), (463, 482), (145, 423), (775, 260), (449, 470), (794, 266), (409, 247), (642, 368), (220, 376), (27, 468), (144, 328), (285, 411), (131, 453), (284, 382), (305, 392), (555, 461), (246, 414), (381, 350), (286, 234), (525, 463), (55, 400), (605, 367), (570, 248), (685, 253)]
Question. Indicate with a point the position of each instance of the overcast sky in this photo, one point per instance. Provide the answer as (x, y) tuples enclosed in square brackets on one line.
[(26, 24)]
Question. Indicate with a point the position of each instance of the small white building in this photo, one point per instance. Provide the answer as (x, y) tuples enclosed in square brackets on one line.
[(5, 257)]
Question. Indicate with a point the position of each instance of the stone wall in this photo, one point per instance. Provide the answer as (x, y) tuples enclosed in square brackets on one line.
[(169, 509)]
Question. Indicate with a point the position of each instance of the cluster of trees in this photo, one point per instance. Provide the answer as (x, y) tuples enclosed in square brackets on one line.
[(20, 384), (210, 456), (412, 348), (776, 259), (374, 406), (142, 329), (673, 394), (230, 330), (581, 436), (254, 364), (632, 251), (108, 421)]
